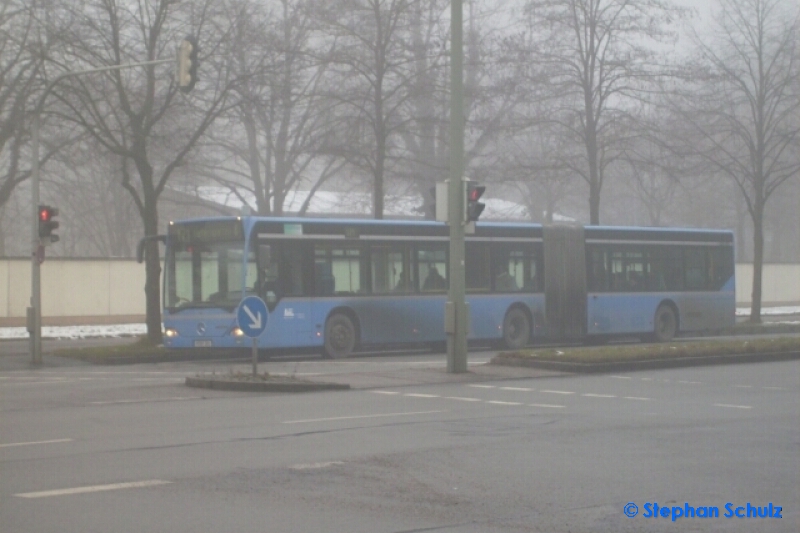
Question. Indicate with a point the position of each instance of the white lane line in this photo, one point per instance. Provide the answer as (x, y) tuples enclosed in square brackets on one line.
[(498, 402), (54, 441), (620, 377), (733, 406), (590, 395), (482, 386), (335, 418), (315, 466), (557, 391), (143, 400), (636, 398), (547, 405), (774, 388), (690, 382), (521, 389), (418, 395), (388, 392), (54, 382), (93, 488), (647, 379), (462, 399)]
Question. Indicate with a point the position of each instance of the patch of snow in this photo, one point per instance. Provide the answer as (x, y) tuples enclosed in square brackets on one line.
[(78, 332), (745, 311)]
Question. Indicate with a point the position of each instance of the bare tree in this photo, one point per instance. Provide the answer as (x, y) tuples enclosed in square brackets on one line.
[(20, 69), (596, 57), (746, 109), (137, 114), (277, 128), (371, 63)]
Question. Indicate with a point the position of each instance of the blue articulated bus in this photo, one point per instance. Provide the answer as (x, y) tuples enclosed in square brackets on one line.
[(339, 285)]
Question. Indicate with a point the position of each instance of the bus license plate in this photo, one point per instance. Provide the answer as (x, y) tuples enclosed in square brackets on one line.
[(203, 344)]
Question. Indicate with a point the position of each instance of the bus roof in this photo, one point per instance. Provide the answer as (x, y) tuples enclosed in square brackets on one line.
[(593, 233)]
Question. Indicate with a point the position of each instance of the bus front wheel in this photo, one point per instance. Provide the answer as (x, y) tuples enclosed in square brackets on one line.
[(340, 336), (516, 329), (666, 324)]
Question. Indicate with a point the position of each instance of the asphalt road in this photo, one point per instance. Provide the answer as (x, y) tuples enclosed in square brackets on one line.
[(131, 449)]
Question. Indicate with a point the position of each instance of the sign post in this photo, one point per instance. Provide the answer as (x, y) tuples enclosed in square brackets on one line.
[(251, 317)]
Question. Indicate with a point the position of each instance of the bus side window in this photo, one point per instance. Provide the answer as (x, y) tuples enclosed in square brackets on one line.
[(323, 279)]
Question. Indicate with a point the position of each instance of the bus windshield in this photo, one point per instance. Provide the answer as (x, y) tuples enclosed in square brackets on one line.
[(207, 274)]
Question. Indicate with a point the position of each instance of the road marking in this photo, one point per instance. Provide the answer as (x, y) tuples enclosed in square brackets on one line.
[(647, 379), (557, 391), (546, 405), (462, 399), (590, 395), (620, 377), (522, 389), (774, 388), (335, 418), (314, 466), (498, 402), (142, 400), (690, 382), (12, 444), (418, 395), (53, 382), (93, 488), (636, 398), (733, 406), (481, 386), (384, 392)]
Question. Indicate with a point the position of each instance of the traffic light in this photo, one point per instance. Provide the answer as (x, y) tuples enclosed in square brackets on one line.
[(187, 64), (47, 223), (474, 208)]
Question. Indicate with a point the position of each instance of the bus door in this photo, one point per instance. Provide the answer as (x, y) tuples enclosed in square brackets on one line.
[(565, 281), (284, 286), (388, 315)]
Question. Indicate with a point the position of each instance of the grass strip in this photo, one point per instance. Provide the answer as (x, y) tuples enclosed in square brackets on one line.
[(140, 348), (646, 352)]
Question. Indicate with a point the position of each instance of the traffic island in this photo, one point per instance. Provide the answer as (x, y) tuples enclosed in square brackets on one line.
[(632, 357), (260, 383)]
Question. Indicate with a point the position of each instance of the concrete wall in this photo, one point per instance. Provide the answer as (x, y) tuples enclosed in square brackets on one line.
[(74, 291), (780, 284), (95, 291)]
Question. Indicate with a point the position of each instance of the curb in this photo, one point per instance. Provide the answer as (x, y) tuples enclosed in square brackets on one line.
[(650, 364), (262, 386)]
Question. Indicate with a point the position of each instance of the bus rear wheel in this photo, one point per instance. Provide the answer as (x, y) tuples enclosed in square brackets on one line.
[(516, 329), (666, 324), (340, 336)]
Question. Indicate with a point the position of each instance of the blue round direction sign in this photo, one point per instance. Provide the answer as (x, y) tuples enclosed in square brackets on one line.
[(251, 315)]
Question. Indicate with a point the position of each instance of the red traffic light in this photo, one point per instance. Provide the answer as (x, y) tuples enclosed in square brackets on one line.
[(46, 222), (474, 208), (475, 192)]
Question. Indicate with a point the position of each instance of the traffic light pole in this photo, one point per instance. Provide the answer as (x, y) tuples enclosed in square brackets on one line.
[(34, 315), (456, 311)]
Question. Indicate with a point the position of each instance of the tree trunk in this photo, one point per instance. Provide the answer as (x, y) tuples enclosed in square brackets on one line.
[(153, 271), (758, 263), (380, 161)]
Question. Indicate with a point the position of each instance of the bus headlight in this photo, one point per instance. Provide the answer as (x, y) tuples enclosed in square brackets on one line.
[(170, 333), (237, 332)]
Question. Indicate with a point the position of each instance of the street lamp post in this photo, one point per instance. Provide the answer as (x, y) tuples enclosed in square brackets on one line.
[(456, 310)]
